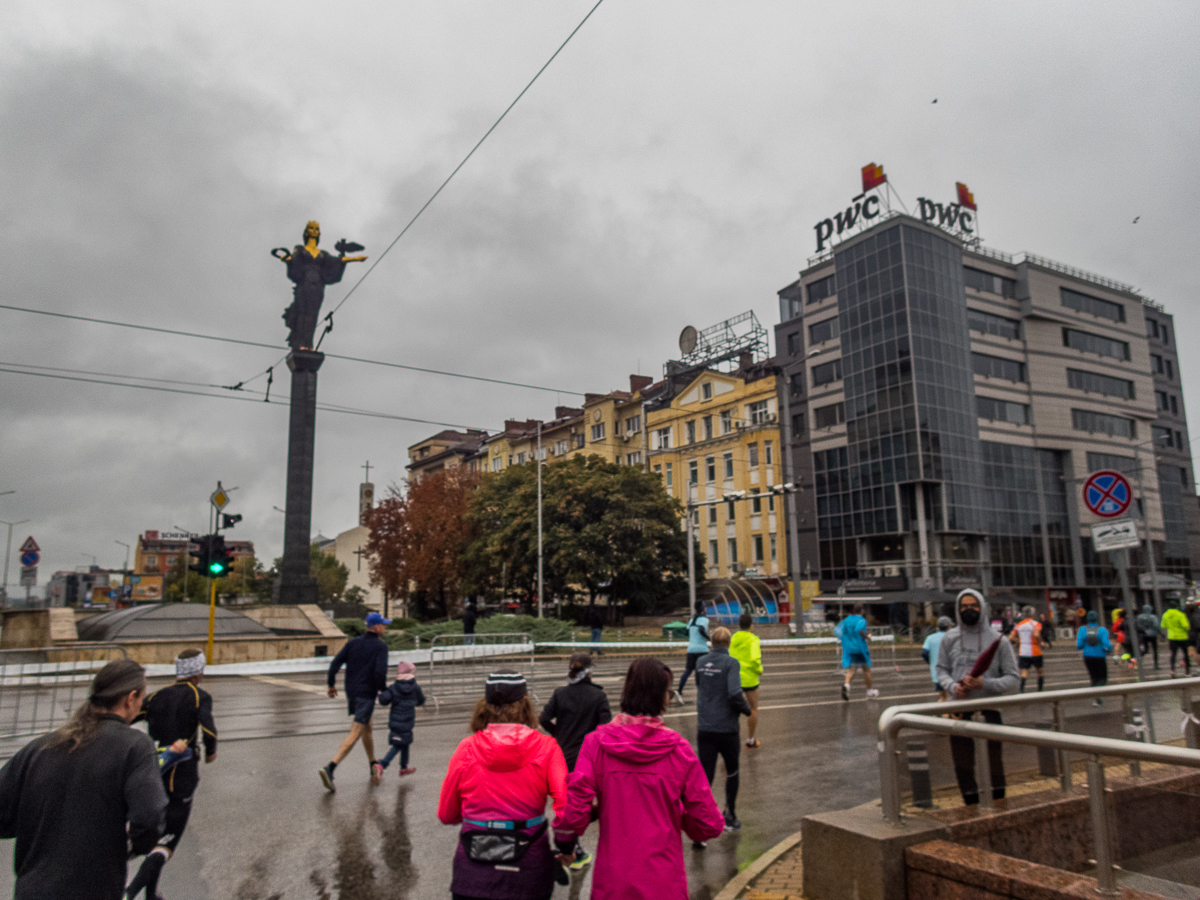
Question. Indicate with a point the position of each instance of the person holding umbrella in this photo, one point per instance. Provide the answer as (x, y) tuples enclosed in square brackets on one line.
[(974, 661)]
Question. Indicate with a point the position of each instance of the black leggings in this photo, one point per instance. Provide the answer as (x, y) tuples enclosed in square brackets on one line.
[(1097, 667), (1177, 646), (729, 748), (689, 668), (962, 750)]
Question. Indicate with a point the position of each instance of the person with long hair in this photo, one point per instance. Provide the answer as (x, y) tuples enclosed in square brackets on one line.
[(648, 787), (81, 799), (575, 711), (496, 786), (696, 648)]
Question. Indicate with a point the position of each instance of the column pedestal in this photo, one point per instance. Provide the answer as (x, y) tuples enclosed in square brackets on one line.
[(296, 585)]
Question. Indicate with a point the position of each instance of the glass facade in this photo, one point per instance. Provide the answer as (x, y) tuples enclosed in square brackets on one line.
[(1173, 490)]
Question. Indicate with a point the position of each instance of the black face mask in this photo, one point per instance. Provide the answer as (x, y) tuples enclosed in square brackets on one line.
[(969, 616)]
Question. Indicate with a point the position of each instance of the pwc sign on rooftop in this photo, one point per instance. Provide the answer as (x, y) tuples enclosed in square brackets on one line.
[(866, 206)]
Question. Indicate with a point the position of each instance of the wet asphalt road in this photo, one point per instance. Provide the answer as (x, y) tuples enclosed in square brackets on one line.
[(263, 828)]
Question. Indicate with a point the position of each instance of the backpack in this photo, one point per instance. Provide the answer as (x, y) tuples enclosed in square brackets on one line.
[(1092, 639)]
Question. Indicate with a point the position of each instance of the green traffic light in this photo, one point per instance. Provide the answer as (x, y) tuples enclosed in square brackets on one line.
[(216, 568)]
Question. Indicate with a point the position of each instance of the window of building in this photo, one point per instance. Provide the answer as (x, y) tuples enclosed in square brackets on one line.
[(726, 421), (797, 426), (828, 416), (1161, 366), (820, 289), (662, 438), (774, 555), (827, 373), (706, 391), (992, 284), (1174, 405), (1156, 330), (731, 546), (712, 515), (1102, 423), (728, 459), (1183, 477), (510, 459), (987, 323), (1095, 383), (998, 367), (1160, 398), (658, 471), (823, 331), (1002, 411), (670, 475), (634, 458), (757, 412), (797, 383), (693, 471), (152, 561), (1093, 306), (758, 548), (768, 455), (708, 428), (713, 559), (496, 464), (560, 448), (690, 431), (1126, 465), (793, 344), (579, 441), (710, 469), (521, 458), (752, 455), (730, 510), (633, 425), (756, 506), (598, 432), (1163, 437), (1094, 343)]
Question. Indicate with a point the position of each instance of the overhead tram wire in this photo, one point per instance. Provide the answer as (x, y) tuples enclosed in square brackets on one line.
[(479, 143), (229, 340), (282, 401)]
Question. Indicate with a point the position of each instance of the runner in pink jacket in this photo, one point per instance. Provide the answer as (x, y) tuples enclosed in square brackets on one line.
[(649, 786)]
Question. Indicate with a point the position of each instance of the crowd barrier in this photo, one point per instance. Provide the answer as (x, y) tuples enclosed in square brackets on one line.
[(40, 688)]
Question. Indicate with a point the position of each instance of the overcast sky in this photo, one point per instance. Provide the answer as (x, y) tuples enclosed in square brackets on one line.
[(666, 170)]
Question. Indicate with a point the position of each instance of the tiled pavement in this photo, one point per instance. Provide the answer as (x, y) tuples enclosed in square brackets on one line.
[(781, 880)]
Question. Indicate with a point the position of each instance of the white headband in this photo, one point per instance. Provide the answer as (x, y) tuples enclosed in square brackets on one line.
[(186, 668)]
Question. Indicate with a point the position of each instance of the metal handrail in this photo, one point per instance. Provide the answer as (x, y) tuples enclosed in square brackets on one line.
[(928, 717)]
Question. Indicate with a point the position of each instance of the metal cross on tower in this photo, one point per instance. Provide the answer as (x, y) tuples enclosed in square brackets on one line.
[(368, 468)]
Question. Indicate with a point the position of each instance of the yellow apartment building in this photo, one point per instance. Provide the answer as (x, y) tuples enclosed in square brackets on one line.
[(444, 451), (718, 434)]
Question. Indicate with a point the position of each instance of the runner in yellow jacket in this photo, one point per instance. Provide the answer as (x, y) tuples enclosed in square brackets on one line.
[(745, 648), (1175, 623)]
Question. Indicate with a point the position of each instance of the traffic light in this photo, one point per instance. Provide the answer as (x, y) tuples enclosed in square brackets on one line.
[(219, 558), (228, 521), (202, 553)]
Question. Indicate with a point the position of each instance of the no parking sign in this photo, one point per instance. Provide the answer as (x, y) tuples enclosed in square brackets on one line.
[(1107, 493)]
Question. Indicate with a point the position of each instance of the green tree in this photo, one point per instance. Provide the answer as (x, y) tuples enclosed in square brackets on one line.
[(607, 529)]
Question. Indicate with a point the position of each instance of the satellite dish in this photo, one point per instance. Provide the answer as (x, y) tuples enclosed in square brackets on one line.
[(687, 341)]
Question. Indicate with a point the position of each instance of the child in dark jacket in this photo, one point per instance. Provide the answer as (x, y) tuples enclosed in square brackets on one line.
[(404, 696)]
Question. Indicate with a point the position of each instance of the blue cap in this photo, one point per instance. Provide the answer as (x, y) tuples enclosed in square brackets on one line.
[(377, 619)]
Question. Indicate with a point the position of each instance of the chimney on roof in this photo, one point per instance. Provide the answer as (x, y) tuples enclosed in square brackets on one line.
[(566, 412), (745, 360), (639, 383), (589, 398)]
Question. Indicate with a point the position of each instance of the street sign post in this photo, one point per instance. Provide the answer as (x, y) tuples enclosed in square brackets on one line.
[(30, 558), (219, 498), (1117, 535), (28, 576), (1107, 494)]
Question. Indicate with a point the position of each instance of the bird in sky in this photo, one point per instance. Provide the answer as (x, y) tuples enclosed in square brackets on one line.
[(1135, 221)]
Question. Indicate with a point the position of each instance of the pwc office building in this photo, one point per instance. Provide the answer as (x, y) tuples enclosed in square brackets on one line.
[(946, 404)]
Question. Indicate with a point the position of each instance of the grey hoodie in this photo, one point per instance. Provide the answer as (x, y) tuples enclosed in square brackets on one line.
[(962, 646), (719, 697)]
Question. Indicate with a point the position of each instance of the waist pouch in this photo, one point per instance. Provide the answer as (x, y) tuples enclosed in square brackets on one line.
[(498, 845)]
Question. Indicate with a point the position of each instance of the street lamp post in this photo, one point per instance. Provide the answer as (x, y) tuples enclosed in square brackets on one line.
[(126, 546), (8, 551), (541, 582)]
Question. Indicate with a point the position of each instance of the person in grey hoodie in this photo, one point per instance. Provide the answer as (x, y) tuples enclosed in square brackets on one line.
[(719, 702), (961, 647), (1147, 626)]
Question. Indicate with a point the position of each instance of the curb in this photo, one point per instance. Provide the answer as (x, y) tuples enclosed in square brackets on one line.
[(739, 882)]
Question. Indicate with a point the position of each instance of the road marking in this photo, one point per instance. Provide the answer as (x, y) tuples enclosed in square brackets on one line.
[(283, 682)]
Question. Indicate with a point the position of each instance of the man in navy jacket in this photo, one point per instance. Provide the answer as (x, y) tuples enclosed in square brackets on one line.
[(366, 661)]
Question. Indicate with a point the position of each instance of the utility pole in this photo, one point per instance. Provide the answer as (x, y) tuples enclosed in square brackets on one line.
[(541, 582), (791, 527)]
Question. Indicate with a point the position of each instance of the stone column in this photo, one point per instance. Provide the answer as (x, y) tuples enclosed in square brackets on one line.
[(296, 585)]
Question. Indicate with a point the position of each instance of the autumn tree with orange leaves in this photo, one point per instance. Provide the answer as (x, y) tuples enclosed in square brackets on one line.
[(418, 536)]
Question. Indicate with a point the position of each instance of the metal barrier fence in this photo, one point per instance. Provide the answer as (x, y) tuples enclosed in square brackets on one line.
[(39, 689), (928, 717), (459, 663)]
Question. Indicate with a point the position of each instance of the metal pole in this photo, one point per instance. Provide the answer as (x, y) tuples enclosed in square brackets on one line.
[(791, 524), (1064, 764), (983, 765), (691, 559), (212, 618), (7, 553), (1100, 832), (541, 581), (1150, 559)]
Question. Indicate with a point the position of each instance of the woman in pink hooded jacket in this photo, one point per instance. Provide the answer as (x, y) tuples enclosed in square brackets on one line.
[(649, 786)]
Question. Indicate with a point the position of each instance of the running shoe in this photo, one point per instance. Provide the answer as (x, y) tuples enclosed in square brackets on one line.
[(408, 770), (583, 859), (753, 743), (326, 773), (731, 822), (376, 774), (699, 845), (679, 697), (873, 692), (845, 691)]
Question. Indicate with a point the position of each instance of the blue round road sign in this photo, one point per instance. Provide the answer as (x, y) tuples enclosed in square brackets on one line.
[(1107, 493), (30, 558)]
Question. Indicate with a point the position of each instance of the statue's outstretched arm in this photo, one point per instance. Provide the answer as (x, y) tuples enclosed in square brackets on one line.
[(354, 259), (282, 254)]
